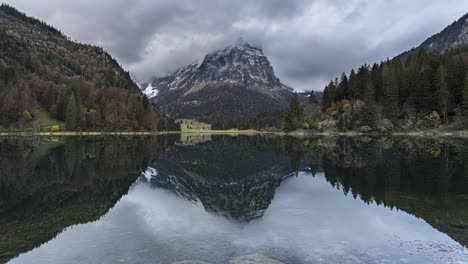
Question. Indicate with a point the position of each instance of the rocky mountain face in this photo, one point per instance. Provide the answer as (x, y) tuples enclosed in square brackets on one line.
[(452, 36), (235, 81)]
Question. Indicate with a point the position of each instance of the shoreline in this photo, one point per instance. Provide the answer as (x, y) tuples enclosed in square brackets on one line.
[(299, 133), (428, 133), (94, 133), (136, 133)]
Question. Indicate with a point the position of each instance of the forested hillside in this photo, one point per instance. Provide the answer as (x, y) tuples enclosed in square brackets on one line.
[(48, 82), (426, 91)]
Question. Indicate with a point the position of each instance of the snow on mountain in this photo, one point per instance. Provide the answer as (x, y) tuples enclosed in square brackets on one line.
[(240, 63), (150, 91), (227, 84)]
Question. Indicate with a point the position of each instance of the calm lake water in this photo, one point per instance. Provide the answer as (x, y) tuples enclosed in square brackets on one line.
[(222, 199)]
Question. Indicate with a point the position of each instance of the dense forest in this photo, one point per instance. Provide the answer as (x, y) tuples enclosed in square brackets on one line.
[(48, 82), (428, 90)]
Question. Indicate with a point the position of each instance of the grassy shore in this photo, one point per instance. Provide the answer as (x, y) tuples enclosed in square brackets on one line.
[(123, 133), (228, 131), (234, 132), (87, 133), (427, 133)]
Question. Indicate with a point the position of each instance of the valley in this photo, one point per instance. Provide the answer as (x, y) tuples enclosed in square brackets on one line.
[(233, 132), (64, 87)]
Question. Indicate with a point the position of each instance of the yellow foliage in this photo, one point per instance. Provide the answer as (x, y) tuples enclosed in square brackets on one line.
[(26, 115)]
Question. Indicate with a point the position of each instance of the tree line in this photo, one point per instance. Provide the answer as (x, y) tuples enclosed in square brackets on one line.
[(427, 90)]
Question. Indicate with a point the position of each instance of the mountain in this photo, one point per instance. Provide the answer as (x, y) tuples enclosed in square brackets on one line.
[(452, 36), (48, 81), (233, 82)]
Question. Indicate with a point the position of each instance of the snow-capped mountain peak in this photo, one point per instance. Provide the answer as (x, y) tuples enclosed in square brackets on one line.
[(239, 63), (232, 82)]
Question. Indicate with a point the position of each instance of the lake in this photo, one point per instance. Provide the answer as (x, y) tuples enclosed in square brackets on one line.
[(226, 199)]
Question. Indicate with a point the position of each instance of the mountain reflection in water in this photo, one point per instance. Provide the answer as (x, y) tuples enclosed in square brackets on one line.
[(323, 200)]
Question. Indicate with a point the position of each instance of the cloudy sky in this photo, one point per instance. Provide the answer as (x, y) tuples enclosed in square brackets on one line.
[(308, 42)]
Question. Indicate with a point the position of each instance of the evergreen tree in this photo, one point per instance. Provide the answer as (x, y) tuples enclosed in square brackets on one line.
[(71, 113), (376, 78), (293, 118), (313, 98), (455, 80), (369, 112), (342, 91), (326, 100), (362, 78), (465, 102), (442, 92), (329, 95), (353, 85), (390, 89)]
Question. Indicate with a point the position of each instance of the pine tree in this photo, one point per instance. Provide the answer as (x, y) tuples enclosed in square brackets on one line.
[(342, 91), (326, 98), (353, 85), (443, 93), (362, 78), (390, 89), (376, 78), (465, 101), (369, 111), (71, 113), (313, 98), (293, 118), (329, 95), (455, 80), (425, 96)]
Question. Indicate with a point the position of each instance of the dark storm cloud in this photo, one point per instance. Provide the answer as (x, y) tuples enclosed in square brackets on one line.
[(308, 42)]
